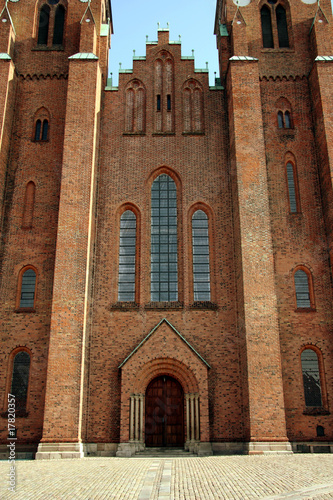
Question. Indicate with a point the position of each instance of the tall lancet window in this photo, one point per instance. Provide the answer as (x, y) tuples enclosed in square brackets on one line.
[(200, 246), (20, 380), (127, 257), (164, 259), (311, 378)]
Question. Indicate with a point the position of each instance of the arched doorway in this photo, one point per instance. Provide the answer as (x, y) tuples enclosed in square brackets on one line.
[(164, 423)]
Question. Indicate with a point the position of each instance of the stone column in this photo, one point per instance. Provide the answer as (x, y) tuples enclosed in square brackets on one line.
[(132, 418), (142, 401), (197, 419)]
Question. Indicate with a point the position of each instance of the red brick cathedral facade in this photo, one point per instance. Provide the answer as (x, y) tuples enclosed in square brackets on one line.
[(166, 247)]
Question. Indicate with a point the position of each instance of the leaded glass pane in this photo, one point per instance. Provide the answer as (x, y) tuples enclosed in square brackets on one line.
[(28, 289), (127, 250), (311, 378), (291, 188), (20, 379), (164, 259), (302, 289), (200, 246)]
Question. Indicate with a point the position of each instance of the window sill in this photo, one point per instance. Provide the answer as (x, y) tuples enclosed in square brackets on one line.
[(316, 411), (193, 133), (286, 134), (124, 306), (278, 49), (43, 48), (18, 414), (305, 310), (25, 310), (204, 305), (164, 305), (155, 134), (40, 141), (135, 133)]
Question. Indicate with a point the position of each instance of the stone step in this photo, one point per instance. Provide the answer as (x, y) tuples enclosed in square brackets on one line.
[(164, 453)]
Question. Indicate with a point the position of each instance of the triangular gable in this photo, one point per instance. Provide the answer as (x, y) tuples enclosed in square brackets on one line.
[(5, 9), (164, 320)]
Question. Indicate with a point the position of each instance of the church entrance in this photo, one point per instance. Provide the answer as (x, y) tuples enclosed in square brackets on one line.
[(164, 413)]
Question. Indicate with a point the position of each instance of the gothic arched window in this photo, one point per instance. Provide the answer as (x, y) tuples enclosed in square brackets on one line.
[(302, 289), (311, 378), (164, 257), (43, 25), (127, 257), (200, 248), (282, 27), (20, 380), (292, 188), (59, 22), (266, 27), (163, 93), (274, 24), (28, 289)]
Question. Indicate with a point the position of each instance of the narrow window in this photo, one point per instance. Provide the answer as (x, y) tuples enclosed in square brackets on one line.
[(266, 26), (59, 22), (291, 188), (43, 28), (164, 270), (302, 289), (287, 120), (38, 130), (320, 431), (127, 257), (158, 102), (29, 203), (20, 380), (169, 102), (28, 289), (200, 245), (311, 378), (282, 27), (45, 129), (280, 119)]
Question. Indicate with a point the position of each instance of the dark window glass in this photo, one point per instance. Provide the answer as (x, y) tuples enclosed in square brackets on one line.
[(266, 26), (59, 22), (200, 246), (169, 102), (28, 289), (302, 289), (20, 379), (43, 27), (45, 129), (280, 119), (127, 251), (291, 188), (311, 378), (281, 21), (164, 259), (158, 102), (320, 431), (287, 120), (37, 130)]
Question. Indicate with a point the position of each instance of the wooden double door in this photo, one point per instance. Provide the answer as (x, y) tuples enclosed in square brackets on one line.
[(164, 413)]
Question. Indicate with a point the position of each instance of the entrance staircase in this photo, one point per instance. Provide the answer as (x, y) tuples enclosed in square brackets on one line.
[(164, 452)]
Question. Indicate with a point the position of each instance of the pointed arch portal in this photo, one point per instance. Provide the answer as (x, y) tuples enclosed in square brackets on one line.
[(164, 422)]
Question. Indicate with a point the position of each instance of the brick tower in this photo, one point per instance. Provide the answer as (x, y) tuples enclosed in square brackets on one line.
[(166, 246)]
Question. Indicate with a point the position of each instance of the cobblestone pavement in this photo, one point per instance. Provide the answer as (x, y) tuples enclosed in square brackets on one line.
[(273, 477)]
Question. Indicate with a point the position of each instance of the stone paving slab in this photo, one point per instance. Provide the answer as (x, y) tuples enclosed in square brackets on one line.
[(288, 477)]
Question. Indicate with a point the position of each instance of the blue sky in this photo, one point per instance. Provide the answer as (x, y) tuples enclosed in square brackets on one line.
[(192, 19), (134, 19)]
